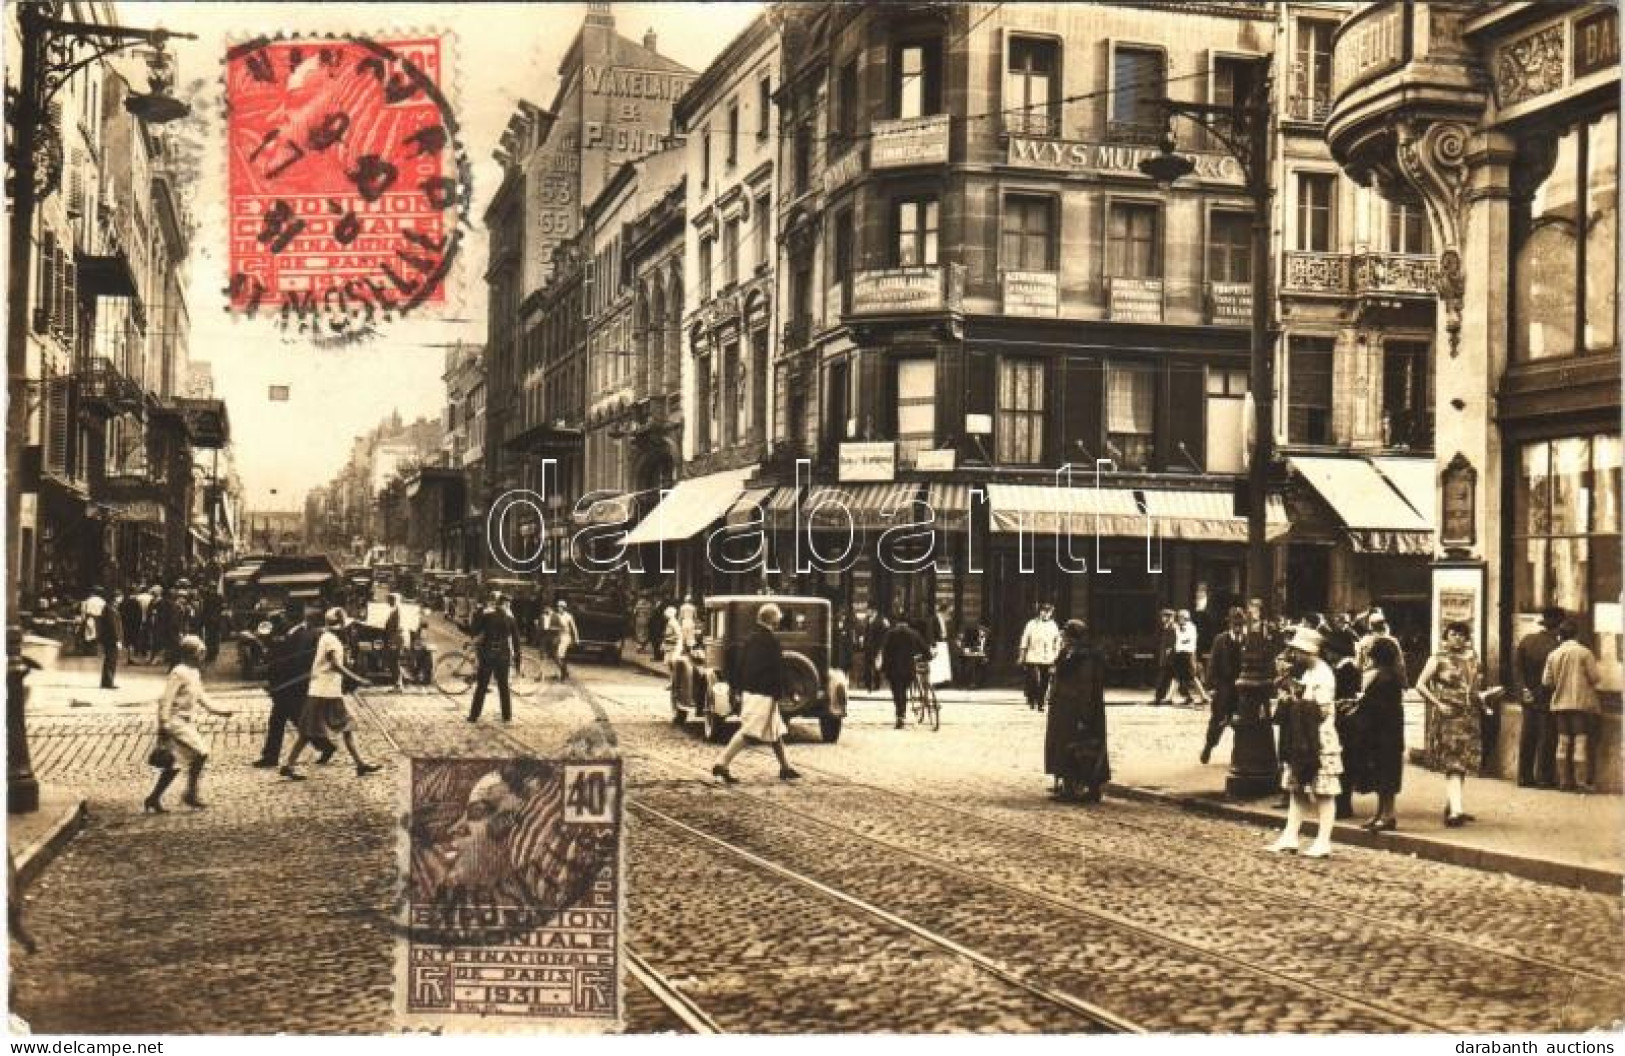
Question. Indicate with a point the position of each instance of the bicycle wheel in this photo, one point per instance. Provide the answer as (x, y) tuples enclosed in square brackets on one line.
[(933, 707), (454, 674), (916, 702)]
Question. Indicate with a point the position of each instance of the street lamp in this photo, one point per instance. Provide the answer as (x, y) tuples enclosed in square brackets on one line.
[(53, 50), (1243, 128)]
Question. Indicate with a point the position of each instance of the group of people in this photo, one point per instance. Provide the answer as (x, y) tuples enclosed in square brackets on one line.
[(144, 623)]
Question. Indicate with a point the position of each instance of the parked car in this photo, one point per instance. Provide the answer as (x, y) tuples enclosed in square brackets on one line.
[(813, 689)]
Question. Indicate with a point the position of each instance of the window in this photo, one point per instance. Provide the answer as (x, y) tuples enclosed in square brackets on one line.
[(1233, 82), (1309, 392), (916, 87), (705, 269), (803, 159), (1137, 88), (1019, 439), (1131, 407), (1134, 249), (1406, 404), (1315, 191), (1312, 71), (1566, 237), (705, 157), (845, 236), (1032, 87), (731, 400), (1565, 527), (1408, 228), (764, 233), (846, 107), (1029, 233), (705, 396), (764, 107), (1229, 247), (916, 232), (733, 132), (916, 408), (730, 252), (1226, 419), (801, 291)]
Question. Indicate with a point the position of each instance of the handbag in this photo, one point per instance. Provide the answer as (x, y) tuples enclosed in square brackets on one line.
[(162, 756)]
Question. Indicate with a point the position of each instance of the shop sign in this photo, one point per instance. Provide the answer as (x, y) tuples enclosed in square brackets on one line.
[(1112, 159), (143, 511), (875, 460), (935, 461), (1036, 293), (843, 170), (1596, 42), (912, 141), (1371, 45), (1134, 300), (897, 290), (1230, 302), (1458, 487), (832, 305)]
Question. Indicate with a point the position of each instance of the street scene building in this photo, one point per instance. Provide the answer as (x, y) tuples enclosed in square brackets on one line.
[(1131, 463)]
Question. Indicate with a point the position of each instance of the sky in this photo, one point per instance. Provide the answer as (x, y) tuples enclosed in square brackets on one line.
[(502, 53)]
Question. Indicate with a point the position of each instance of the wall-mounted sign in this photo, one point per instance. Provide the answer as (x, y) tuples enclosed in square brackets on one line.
[(843, 170), (935, 461), (1370, 44), (1036, 293), (1230, 302), (898, 290), (1134, 300), (1596, 42), (875, 460), (1458, 490), (1112, 159), (979, 424), (1458, 596), (143, 511), (912, 141)]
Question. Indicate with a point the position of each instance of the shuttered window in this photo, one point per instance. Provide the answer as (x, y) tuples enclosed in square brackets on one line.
[(1137, 87)]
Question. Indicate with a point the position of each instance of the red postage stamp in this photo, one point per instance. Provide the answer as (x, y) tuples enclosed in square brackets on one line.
[(511, 920), (347, 185)]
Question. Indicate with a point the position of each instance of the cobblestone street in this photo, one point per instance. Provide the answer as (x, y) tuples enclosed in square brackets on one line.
[(903, 856)]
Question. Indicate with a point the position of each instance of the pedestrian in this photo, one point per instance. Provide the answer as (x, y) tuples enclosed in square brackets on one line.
[(1075, 752), (564, 638), (900, 651), (1167, 638), (688, 617), (942, 666), (110, 632), (1223, 668), (324, 717), (394, 641), (143, 643), (973, 656), (1571, 675), (287, 675), (671, 636), (874, 641), (759, 681), (1376, 622), (497, 644), (211, 615), (1310, 771), (1185, 647), (1381, 721), (183, 691), (662, 621), (1537, 740), (1040, 641), (1449, 685), (1338, 649), (641, 611), (132, 615)]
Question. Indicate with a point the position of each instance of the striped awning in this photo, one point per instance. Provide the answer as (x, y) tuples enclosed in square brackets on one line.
[(1208, 516), (1376, 515), (690, 507), (749, 505), (866, 507), (950, 506), (1045, 510)]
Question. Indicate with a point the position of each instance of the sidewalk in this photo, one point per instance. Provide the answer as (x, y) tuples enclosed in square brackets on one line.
[(1553, 837)]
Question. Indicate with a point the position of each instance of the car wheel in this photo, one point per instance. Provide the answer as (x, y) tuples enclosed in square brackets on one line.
[(829, 728)]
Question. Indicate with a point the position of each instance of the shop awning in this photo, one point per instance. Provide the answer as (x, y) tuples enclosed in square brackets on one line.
[(1042, 509), (690, 507), (1375, 514), (950, 506), (295, 579), (873, 507), (242, 573), (745, 509), (1206, 516), (608, 508), (1414, 477)]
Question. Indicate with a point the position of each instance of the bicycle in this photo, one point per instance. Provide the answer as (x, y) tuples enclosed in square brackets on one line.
[(456, 674), (922, 697)]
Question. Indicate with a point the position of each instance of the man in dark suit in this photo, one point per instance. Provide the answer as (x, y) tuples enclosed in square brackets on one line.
[(130, 614), (1537, 745), (1167, 639), (899, 651), (1223, 668), (496, 634), (874, 636), (287, 677), (110, 634)]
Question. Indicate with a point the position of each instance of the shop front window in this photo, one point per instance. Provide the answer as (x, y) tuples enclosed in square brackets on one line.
[(1020, 434), (1131, 405), (1566, 545), (916, 408)]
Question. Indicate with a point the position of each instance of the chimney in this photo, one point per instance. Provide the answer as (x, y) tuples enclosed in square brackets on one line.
[(649, 39)]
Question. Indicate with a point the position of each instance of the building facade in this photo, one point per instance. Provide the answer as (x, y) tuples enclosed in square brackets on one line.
[(1515, 156)]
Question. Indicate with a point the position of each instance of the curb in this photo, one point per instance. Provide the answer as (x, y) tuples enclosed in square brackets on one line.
[(1560, 874), (37, 855)]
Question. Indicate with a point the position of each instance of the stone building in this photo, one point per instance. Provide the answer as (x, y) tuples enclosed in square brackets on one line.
[(1504, 119)]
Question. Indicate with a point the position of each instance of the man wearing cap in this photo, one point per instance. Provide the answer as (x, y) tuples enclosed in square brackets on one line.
[(1040, 642), (496, 634), (759, 681), (110, 632), (1571, 676), (1537, 741)]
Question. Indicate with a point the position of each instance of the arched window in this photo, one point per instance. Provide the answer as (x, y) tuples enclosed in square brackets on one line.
[(673, 328)]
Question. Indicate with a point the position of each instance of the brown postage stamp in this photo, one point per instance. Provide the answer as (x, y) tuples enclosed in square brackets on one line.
[(511, 917)]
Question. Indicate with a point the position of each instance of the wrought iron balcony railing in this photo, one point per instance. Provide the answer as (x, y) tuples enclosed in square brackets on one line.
[(106, 390)]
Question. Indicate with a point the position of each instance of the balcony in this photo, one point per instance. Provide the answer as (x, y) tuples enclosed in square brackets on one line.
[(1037, 121), (1138, 133), (106, 391), (890, 291), (797, 333), (1360, 274)]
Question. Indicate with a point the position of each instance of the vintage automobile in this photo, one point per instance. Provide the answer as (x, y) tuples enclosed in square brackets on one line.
[(603, 617), (813, 689), (276, 583)]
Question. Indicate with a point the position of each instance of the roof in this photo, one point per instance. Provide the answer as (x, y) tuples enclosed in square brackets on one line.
[(728, 63)]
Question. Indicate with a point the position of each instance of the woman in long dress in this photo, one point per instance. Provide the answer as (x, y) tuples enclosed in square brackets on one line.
[(183, 691), (1449, 685), (1075, 735)]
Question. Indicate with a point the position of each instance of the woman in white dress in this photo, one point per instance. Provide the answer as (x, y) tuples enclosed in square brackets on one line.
[(183, 692)]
